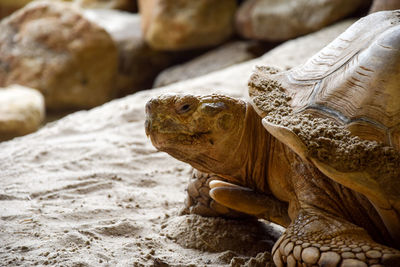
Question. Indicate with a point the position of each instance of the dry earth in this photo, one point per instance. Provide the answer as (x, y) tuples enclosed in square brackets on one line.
[(90, 190)]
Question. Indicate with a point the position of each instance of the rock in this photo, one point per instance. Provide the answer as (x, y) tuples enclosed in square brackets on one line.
[(21, 111), (272, 20), (138, 63), (52, 47), (182, 24), (380, 5), (8, 7), (127, 5), (216, 59)]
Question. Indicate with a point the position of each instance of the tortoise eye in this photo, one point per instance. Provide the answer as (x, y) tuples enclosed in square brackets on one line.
[(184, 108)]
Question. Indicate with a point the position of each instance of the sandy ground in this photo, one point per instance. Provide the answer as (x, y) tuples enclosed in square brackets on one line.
[(90, 189)]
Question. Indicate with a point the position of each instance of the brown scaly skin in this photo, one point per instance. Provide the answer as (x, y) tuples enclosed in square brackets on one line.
[(198, 200), (327, 224)]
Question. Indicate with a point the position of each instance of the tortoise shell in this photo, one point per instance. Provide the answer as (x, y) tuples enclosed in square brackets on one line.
[(355, 80), (341, 110)]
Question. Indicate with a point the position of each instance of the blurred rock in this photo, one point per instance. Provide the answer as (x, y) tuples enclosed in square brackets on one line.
[(9, 6), (182, 24), (138, 63), (216, 59), (21, 111), (272, 20), (52, 47), (127, 5), (380, 5)]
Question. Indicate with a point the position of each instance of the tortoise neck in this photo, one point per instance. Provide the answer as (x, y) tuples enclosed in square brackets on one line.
[(252, 153)]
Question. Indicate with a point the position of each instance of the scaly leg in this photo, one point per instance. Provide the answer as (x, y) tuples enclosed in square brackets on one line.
[(198, 200), (317, 238), (250, 202)]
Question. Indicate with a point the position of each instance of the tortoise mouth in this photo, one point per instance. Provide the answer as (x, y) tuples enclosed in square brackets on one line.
[(163, 140), (187, 139), (167, 133)]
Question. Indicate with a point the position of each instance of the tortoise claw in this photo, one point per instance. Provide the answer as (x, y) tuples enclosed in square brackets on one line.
[(198, 200)]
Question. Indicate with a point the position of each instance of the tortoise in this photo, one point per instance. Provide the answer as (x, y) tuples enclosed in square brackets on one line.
[(315, 149)]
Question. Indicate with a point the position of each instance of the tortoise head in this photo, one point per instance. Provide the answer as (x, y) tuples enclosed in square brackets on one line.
[(200, 130)]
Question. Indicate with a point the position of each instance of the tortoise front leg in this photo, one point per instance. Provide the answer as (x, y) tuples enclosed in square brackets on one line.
[(317, 238), (198, 200), (250, 202)]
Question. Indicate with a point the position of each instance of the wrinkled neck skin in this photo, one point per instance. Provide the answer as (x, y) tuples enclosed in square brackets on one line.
[(248, 159)]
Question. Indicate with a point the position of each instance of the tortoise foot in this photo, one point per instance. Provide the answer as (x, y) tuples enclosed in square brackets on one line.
[(318, 240), (198, 200)]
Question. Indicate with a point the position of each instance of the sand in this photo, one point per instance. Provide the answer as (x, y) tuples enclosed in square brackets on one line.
[(90, 189)]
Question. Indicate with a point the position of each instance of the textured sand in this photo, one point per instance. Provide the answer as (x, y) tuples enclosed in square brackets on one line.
[(90, 190)]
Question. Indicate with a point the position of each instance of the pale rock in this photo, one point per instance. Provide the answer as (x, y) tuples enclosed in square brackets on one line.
[(21, 111), (52, 47), (182, 24), (138, 64), (219, 58), (280, 20)]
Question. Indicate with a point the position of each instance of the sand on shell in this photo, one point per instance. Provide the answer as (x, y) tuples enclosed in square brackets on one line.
[(326, 140), (90, 189)]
